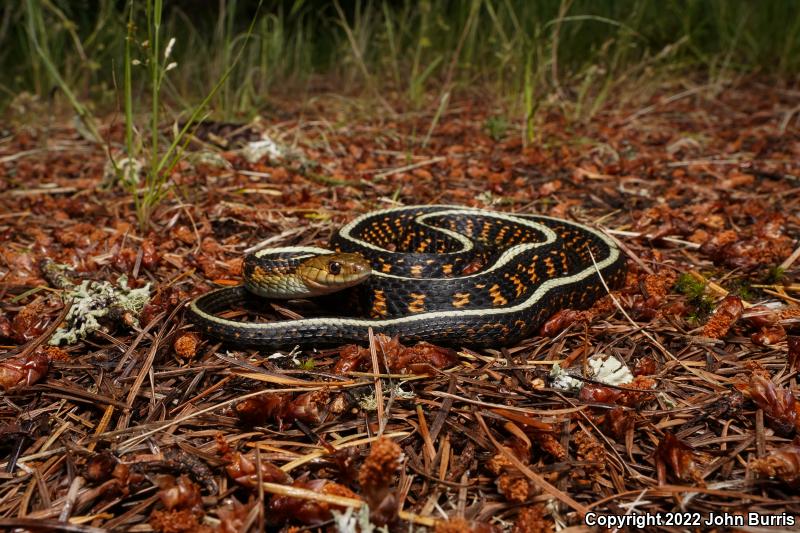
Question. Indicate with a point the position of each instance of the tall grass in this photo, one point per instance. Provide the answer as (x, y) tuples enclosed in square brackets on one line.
[(571, 52), (227, 58), (157, 61)]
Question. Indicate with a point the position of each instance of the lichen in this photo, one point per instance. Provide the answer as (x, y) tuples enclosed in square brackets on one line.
[(562, 380), (609, 370), (93, 300), (255, 151), (368, 402)]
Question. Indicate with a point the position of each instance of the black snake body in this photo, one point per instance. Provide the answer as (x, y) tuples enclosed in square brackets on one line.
[(444, 274)]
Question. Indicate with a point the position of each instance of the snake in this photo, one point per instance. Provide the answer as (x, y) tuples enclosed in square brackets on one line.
[(439, 273)]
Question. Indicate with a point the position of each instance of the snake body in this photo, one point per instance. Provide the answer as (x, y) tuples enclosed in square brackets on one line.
[(439, 273)]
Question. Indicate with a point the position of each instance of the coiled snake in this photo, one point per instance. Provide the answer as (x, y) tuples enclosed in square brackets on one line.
[(439, 273)]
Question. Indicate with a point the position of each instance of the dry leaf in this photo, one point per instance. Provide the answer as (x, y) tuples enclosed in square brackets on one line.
[(677, 458)]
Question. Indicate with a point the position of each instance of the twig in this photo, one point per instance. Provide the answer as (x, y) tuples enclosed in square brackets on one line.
[(276, 238), (629, 252), (373, 352), (790, 260), (715, 288), (426, 436), (342, 444), (72, 495), (33, 524), (412, 166), (540, 412), (42, 190), (636, 234), (674, 98)]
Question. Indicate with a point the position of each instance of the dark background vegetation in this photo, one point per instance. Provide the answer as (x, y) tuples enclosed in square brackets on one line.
[(519, 52)]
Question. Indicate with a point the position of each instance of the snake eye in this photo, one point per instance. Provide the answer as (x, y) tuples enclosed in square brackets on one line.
[(335, 268)]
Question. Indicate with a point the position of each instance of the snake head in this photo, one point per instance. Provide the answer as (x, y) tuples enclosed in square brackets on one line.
[(324, 274)]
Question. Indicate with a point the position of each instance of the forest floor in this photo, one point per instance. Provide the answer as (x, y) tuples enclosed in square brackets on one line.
[(146, 423)]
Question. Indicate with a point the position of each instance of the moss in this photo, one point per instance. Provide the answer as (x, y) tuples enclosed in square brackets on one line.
[(689, 286), (695, 292), (743, 289), (775, 274)]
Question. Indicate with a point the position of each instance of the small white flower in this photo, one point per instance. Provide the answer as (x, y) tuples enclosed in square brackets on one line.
[(168, 49), (136, 62), (171, 66)]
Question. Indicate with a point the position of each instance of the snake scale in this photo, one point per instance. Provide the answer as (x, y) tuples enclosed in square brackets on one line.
[(439, 273)]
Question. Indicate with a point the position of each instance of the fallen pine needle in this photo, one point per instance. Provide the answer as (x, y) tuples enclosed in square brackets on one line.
[(306, 494), (288, 467)]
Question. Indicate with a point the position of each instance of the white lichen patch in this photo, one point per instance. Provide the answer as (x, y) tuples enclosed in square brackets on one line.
[(93, 300), (355, 521), (255, 151), (608, 370), (561, 380), (368, 402)]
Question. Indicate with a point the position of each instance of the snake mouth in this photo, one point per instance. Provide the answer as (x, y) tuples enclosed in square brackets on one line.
[(318, 288)]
